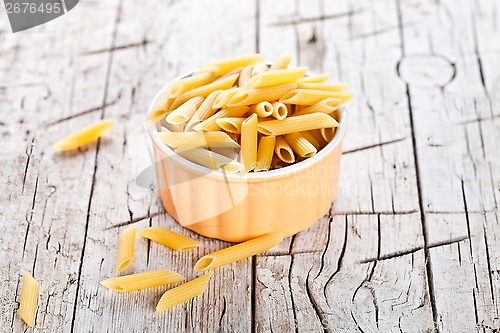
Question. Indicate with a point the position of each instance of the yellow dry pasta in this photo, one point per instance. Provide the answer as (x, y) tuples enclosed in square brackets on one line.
[(281, 63), (255, 96), (220, 68), (309, 137), (210, 159), (223, 97), (302, 123), (273, 78), (84, 136), (309, 97), (161, 105), (210, 124), (231, 125), (262, 109), (204, 91), (280, 111), (283, 150), (300, 144), (259, 68), (338, 86), (184, 112), (204, 111), (142, 281), (169, 238), (327, 105), (29, 299), (183, 293), (265, 153), (328, 134), (237, 252), (248, 153), (192, 82), (320, 78), (126, 244), (197, 139), (245, 75)]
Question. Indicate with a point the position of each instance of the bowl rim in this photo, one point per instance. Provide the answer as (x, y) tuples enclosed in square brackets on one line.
[(264, 175)]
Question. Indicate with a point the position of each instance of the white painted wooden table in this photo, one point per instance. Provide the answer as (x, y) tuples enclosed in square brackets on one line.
[(412, 243)]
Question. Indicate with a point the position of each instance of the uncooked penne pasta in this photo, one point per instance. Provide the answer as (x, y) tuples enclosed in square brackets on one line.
[(265, 153), (183, 293), (126, 244), (255, 96), (161, 105), (259, 68), (281, 62), (142, 281), (185, 111), (237, 252), (328, 133), (84, 136), (29, 299), (220, 68), (320, 78), (206, 90), (280, 111), (169, 238), (223, 97), (204, 111), (210, 159), (317, 135), (302, 123), (192, 82), (262, 109), (210, 123), (300, 144), (273, 78), (231, 125), (232, 72), (327, 105), (245, 75), (248, 153), (309, 137), (197, 139), (283, 150), (309, 97), (338, 86)]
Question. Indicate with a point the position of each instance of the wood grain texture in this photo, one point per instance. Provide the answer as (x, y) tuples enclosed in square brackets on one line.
[(412, 243)]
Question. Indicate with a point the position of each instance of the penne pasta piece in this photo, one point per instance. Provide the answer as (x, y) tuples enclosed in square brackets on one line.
[(174, 127), (204, 111), (245, 75), (255, 96), (309, 97), (281, 63), (283, 150), (262, 109), (277, 77), (228, 152), (184, 112), (338, 86), (85, 135), (223, 97), (320, 78), (29, 299), (232, 72), (126, 244), (265, 153), (183, 293), (280, 110), (237, 252), (328, 133), (259, 68), (300, 144), (210, 123), (317, 135), (169, 238), (309, 137), (192, 82), (248, 152), (142, 281), (161, 106), (220, 68), (232, 125), (210, 159), (206, 90), (302, 123), (197, 139), (327, 105)]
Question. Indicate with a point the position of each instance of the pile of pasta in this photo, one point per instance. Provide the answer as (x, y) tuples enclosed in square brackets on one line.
[(150, 279), (241, 115)]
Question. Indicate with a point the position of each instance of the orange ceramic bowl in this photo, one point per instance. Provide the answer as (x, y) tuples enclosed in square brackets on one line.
[(236, 208)]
